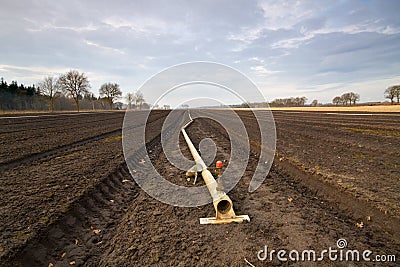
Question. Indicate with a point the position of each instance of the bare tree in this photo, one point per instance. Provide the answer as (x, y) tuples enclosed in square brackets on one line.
[(392, 92), (346, 99), (337, 100), (353, 97), (130, 98), (74, 84), (111, 92), (139, 99), (314, 103), (50, 88), (397, 92), (300, 101), (349, 98)]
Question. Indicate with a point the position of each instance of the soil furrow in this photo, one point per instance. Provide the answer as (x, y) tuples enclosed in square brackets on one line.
[(27, 159), (17, 127)]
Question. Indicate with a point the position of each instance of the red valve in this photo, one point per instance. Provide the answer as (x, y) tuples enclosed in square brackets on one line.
[(218, 164)]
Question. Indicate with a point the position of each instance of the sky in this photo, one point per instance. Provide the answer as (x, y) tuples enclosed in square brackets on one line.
[(317, 49)]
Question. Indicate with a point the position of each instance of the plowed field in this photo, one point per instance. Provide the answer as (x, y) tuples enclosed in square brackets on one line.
[(67, 197)]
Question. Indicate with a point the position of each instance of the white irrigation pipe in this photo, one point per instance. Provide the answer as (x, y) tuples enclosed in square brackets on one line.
[(222, 203)]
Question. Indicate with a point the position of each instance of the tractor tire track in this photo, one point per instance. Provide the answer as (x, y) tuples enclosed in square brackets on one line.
[(82, 234)]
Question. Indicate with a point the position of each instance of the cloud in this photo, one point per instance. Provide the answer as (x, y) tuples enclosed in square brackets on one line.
[(287, 47), (367, 27), (286, 14), (261, 70), (106, 48), (29, 74), (38, 27)]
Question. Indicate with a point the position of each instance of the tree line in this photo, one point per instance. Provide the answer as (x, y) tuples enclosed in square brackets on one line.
[(289, 102), (392, 93), (68, 91), (346, 99), (14, 96), (71, 90), (351, 98)]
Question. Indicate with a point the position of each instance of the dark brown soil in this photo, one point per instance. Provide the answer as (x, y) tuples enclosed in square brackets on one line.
[(356, 154), (57, 209), (44, 186)]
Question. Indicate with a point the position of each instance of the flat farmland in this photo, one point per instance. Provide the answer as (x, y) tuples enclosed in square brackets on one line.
[(67, 197)]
